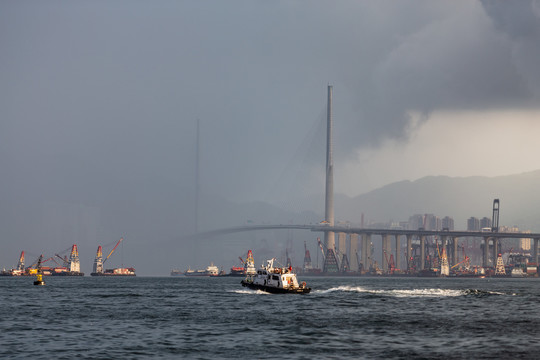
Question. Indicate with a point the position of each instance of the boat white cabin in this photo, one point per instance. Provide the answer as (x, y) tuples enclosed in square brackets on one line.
[(517, 272), (212, 270)]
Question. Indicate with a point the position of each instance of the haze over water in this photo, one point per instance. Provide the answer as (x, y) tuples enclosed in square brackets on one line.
[(99, 103)]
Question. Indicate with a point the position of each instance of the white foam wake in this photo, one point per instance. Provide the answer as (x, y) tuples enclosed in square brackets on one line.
[(251, 292), (396, 292)]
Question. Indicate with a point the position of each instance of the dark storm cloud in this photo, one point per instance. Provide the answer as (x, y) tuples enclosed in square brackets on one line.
[(453, 61), (519, 21)]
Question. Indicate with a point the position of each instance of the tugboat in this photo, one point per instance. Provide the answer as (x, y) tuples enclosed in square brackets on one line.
[(39, 275), (275, 280)]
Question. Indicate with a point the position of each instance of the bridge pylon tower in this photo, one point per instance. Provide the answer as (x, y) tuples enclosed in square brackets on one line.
[(495, 217)]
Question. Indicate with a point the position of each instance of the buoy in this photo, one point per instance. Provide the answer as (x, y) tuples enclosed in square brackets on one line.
[(39, 275), (39, 280)]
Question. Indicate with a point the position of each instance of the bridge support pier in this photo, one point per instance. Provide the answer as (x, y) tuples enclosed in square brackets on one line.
[(353, 252), (485, 260), (535, 250), (409, 252), (398, 247), (366, 241), (386, 251), (455, 251), (495, 251), (422, 252)]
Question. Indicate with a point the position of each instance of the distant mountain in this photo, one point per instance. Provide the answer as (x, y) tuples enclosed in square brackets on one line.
[(458, 197)]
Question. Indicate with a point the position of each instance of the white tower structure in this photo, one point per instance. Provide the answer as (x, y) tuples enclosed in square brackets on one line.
[(74, 263), (330, 262), (98, 262)]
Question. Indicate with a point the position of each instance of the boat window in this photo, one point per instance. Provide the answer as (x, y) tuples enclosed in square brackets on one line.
[(275, 277), (259, 272)]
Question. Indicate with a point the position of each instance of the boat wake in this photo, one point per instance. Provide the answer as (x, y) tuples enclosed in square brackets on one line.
[(251, 292), (410, 293), (476, 292)]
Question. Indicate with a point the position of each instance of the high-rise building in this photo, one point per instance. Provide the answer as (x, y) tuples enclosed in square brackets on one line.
[(448, 223), (485, 223), (473, 224), (523, 244), (416, 222), (432, 222)]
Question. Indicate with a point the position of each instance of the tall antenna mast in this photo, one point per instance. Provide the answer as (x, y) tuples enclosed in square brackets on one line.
[(197, 178)]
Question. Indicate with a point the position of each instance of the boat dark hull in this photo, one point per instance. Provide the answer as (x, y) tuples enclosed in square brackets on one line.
[(70, 273), (275, 290), (110, 274)]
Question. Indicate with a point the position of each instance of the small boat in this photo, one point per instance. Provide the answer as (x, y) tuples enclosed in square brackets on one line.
[(279, 280), (517, 272)]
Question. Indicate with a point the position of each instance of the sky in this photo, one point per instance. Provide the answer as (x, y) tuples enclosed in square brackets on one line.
[(99, 103)]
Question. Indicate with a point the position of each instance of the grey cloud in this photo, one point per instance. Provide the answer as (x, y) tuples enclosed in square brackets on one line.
[(451, 61), (520, 22), (98, 100)]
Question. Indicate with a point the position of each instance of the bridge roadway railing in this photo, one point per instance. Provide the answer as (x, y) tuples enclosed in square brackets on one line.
[(455, 234), (368, 231)]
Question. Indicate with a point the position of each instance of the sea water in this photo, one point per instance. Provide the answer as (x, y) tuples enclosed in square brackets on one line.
[(216, 318)]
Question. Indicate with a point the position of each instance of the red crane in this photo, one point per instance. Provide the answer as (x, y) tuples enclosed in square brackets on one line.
[(118, 243), (390, 262)]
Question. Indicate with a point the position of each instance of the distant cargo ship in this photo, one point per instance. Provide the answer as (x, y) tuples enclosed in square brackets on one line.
[(241, 271), (190, 272), (237, 271), (211, 270)]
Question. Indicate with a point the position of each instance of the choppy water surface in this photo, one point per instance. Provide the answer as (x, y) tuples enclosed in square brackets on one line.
[(215, 318)]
